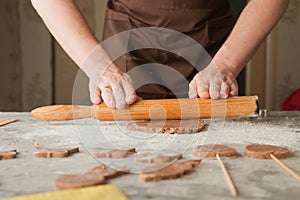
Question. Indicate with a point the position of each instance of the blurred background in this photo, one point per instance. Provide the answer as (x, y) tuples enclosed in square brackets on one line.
[(35, 71)]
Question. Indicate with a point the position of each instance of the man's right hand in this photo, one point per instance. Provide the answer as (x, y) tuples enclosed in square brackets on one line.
[(214, 82)]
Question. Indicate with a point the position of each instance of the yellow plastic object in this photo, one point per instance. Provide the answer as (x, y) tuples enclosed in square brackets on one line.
[(102, 192)]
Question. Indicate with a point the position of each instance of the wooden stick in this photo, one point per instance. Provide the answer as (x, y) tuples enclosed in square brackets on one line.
[(228, 178), (285, 167), (7, 121)]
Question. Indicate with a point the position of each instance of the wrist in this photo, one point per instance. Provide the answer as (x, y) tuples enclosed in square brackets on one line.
[(226, 59), (96, 62)]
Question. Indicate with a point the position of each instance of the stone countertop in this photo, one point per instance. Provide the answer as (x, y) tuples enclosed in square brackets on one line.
[(254, 178)]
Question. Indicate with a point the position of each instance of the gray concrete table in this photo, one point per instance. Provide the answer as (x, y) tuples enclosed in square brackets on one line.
[(254, 178)]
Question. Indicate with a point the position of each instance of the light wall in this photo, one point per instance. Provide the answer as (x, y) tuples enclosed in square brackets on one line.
[(34, 69), (25, 56), (274, 72)]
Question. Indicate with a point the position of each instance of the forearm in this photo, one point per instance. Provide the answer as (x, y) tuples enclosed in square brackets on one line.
[(67, 25), (255, 23)]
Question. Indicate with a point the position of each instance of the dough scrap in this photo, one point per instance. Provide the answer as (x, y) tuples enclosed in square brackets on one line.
[(8, 154), (168, 126), (175, 170), (263, 151), (210, 151), (111, 153)]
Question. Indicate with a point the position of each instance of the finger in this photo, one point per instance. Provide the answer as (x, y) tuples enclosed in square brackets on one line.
[(214, 91), (108, 97), (234, 89), (130, 95), (202, 87), (119, 96), (94, 93), (203, 92), (130, 99), (192, 89), (99, 100), (224, 92)]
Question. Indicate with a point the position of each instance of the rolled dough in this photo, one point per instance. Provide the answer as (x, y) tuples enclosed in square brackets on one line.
[(168, 126)]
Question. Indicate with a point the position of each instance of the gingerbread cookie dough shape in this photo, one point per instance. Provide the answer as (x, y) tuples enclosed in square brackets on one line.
[(92, 177), (175, 170), (263, 151), (211, 151), (44, 152), (78, 181), (168, 126), (111, 153), (8, 154), (108, 173), (158, 158)]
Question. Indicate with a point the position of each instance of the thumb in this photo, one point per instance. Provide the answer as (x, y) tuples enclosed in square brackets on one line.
[(94, 93)]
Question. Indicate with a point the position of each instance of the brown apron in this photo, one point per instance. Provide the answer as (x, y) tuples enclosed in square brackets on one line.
[(209, 22)]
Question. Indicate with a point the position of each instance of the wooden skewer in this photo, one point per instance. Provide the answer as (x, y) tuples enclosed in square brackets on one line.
[(228, 178), (7, 121), (285, 167)]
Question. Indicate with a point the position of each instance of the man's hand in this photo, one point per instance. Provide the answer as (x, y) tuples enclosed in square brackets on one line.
[(255, 22), (107, 81), (214, 82), (67, 25), (115, 88)]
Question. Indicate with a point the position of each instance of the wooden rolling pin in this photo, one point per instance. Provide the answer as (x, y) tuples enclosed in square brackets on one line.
[(234, 107)]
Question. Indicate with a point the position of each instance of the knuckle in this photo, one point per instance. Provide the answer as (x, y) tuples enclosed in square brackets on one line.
[(130, 99), (192, 84)]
